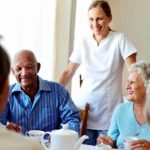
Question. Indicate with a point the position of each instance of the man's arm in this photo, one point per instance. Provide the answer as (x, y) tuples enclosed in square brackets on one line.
[(130, 60), (4, 120), (68, 112), (68, 73)]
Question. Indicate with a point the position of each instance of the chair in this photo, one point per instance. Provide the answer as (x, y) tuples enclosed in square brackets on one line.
[(83, 113), (84, 118), (80, 80)]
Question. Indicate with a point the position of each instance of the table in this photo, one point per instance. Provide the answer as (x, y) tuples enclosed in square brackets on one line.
[(90, 147), (87, 147)]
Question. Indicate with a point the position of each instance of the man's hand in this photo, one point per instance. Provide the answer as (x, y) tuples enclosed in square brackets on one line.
[(14, 127)]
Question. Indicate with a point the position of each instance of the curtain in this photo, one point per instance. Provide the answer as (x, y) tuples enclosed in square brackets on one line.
[(29, 24)]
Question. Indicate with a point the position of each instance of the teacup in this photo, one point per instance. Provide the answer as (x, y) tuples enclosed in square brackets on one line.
[(127, 141), (35, 134), (103, 147)]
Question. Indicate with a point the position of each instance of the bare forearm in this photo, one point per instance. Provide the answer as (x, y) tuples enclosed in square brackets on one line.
[(65, 78), (130, 60), (68, 73)]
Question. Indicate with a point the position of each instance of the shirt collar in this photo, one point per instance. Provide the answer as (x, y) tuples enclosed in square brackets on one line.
[(94, 42), (42, 86)]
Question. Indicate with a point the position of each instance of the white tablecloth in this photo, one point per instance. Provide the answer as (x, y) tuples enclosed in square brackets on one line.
[(87, 147), (90, 147)]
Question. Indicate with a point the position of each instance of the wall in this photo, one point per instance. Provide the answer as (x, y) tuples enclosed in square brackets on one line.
[(132, 18), (64, 29), (129, 16)]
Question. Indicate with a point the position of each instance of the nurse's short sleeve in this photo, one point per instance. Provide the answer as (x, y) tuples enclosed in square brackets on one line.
[(76, 54), (126, 47)]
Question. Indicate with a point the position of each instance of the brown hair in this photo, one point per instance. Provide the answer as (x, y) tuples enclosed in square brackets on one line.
[(4, 66), (103, 4)]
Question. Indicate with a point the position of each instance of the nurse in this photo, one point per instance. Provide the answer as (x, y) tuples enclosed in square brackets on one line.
[(102, 55)]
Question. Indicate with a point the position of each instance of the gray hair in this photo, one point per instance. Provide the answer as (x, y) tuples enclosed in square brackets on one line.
[(142, 68)]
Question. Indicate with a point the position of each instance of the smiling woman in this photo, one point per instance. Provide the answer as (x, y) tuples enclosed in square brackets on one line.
[(102, 54), (132, 121), (99, 19)]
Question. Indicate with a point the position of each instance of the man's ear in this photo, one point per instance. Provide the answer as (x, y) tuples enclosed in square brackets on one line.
[(38, 67)]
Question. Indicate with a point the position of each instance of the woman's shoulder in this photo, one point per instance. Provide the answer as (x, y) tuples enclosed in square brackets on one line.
[(124, 106), (117, 34)]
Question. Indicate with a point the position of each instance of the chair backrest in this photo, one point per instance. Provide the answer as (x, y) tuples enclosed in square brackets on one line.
[(84, 118), (80, 80)]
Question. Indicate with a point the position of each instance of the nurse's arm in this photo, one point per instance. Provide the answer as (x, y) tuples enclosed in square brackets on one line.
[(130, 60), (68, 73)]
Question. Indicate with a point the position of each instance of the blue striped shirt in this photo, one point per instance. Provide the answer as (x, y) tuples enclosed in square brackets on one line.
[(52, 107)]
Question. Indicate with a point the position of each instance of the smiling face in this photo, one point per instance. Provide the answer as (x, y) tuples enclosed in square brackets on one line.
[(135, 88), (98, 21), (25, 69)]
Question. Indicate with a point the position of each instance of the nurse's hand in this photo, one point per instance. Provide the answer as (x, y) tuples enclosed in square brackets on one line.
[(104, 139), (13, 126), (140, 145)]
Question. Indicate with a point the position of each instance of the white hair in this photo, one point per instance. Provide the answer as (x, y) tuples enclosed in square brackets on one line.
[(142, 68)]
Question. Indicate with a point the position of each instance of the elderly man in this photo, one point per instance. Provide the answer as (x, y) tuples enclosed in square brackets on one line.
[(10, 140), (35, 103)]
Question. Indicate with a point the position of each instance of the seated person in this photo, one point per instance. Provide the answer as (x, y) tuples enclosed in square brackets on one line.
[(9, 140), (35, 103), (128, 118), (145, 144)]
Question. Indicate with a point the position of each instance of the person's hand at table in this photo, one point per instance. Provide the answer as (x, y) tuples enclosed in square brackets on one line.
[(140, 145), (13, 126), (104, 139)]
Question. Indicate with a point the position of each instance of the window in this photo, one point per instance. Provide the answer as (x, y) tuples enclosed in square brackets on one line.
[(29, 24), (81, 29)]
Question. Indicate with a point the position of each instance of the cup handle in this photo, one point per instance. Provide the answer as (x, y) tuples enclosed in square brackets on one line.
[(27, 134), (42, 140)]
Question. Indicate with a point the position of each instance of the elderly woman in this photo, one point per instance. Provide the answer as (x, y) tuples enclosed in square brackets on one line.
[(128, 118), (9, 139), (144, 143)]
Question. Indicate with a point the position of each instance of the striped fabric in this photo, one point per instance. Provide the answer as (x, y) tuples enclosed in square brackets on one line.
[(52, 107)]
